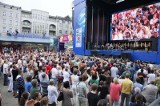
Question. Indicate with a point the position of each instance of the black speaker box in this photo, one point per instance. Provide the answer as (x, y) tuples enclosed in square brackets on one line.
[(126, 56)]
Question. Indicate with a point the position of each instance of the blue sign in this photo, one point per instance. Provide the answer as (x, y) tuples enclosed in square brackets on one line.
[(79, 26)]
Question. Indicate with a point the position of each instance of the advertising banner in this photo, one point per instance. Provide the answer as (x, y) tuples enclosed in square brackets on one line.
[(79, 37)]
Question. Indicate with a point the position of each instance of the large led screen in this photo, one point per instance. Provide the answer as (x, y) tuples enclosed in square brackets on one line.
[(138, 23)]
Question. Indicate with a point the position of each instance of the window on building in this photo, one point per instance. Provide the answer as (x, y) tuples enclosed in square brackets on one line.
[(10, 14), (16, 23), (4, 29), (4, 21), (60, 31), (10, 29), (66, 32), (16, 15), (10, 22), (4, 13)]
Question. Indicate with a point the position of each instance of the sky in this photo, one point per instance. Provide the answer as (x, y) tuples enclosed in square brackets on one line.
[(54, 7)]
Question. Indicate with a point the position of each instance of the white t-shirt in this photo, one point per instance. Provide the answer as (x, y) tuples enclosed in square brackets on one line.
[(65, 76), (74, 79), (5, 68), (151, 77), (114, 71), (54, 72), (52, 94)]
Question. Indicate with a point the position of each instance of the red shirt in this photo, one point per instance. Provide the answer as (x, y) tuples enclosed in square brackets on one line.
[(115, 90), (48, 69)]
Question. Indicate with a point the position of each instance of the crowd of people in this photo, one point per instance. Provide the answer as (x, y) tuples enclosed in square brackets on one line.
[(124, 46), (45, 78), (138, 23)]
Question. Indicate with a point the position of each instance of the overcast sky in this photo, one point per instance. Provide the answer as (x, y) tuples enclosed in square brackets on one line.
[(54, 7)]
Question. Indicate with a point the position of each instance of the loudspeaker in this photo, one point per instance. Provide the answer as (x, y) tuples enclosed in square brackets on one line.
[(154, 46), (93, 52), (126, 56), (116, 56)]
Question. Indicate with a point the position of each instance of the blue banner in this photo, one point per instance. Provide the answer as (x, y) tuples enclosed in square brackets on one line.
[(79, 26)]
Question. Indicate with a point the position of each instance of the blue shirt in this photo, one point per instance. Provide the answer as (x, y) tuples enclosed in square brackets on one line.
[(28, 86), (138, 85)]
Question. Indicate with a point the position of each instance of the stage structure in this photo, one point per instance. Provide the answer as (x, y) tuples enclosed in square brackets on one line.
[(127, 28)]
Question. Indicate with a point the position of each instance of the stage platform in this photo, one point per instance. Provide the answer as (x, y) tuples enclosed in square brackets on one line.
[(147, 56)]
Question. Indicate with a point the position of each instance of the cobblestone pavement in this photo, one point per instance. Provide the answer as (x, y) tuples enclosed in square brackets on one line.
[(7, 98)]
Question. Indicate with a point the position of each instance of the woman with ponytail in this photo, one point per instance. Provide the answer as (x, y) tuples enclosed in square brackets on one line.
[(24, 99)]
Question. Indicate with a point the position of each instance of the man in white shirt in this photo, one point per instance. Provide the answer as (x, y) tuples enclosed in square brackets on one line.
[(52, 93), (114, 71), (66, 75), (151, 77), (40, 75), (5, 73), (54, 73)]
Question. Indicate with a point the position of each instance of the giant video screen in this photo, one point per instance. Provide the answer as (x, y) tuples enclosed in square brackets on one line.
[(138, 23)]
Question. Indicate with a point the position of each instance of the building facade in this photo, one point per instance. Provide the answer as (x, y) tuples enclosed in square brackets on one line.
[(10, 18), (32, 22)]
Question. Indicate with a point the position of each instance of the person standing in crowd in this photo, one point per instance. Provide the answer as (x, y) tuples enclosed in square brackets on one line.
[(66, 75), (28, 84), (151, 76), (114, 71), (42, 73), (67, 94), (52, 93), (94, 79), (15, 74), (132, 71), (81, 89), (141, 73), (59, 77), (137, 84), (103, 90), (44, 84), (127, 86), (44, 101), (150, 92), (74, 82), (157, 81), (54, 74), (126, 72), (92, 96), (10, 77), (34, 88), (24, 99), (20, 84), (37, 97), (137, 91), (138, 101), (115, 89), (5, 73)]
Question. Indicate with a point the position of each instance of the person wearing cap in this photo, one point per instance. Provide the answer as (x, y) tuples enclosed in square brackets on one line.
[(127, 86), (52, 93)]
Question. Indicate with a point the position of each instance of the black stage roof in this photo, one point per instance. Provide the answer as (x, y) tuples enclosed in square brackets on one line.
[(125, 4)]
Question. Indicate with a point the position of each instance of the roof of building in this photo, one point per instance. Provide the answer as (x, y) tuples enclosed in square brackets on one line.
[(25, 11), (10, 5)]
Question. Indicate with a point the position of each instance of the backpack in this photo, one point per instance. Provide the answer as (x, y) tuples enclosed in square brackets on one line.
[(60, 96)]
